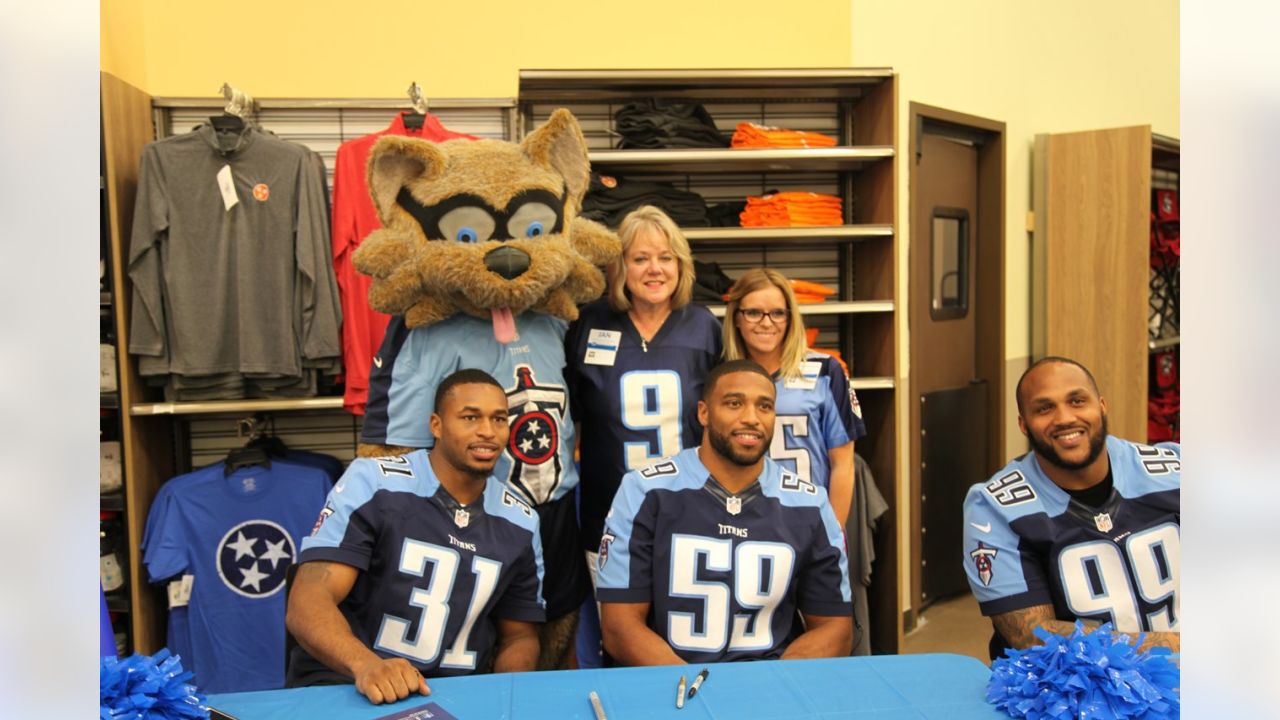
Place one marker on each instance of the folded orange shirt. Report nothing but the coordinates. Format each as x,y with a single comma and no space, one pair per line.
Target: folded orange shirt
751,135
792,209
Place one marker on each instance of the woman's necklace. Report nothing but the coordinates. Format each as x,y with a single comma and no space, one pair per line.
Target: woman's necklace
647,328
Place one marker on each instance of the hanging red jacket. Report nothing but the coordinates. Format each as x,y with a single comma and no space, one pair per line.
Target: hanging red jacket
354,217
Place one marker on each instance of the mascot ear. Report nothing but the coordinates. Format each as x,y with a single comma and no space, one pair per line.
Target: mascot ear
559,145
395,162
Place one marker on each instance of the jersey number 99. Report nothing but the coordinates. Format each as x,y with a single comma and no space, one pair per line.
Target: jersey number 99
1153,557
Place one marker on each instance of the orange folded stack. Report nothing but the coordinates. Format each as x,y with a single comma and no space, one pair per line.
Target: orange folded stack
792,209
810,292
811,336
751,135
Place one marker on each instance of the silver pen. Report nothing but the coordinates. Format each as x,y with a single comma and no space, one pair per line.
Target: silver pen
680,694
595,705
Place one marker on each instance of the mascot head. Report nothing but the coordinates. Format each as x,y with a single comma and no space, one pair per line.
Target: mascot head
484,227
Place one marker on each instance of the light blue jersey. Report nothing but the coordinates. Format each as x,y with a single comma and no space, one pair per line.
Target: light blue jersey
816,413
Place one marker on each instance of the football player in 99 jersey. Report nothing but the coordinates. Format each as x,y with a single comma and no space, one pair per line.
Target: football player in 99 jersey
1084,527
423,564
707,556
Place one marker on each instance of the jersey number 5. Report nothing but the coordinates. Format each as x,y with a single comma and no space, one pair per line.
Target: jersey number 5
757,589
393,636
799,427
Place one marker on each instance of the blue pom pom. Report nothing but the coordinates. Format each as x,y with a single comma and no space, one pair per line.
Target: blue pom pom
1094,676
143,687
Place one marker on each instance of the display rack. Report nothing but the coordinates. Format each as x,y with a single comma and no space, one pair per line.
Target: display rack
858,258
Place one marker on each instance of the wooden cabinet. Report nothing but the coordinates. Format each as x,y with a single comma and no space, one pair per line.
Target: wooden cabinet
1091,258
858,257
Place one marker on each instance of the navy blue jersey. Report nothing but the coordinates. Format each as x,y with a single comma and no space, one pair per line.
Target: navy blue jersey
1027,542
637,401
724,573
433,574
411,364
816,413
236,535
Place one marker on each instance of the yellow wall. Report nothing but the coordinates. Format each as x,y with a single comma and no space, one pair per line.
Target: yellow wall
332,48
121,44
1039,68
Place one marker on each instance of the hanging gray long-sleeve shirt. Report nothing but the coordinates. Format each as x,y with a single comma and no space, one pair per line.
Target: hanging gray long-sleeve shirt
246,289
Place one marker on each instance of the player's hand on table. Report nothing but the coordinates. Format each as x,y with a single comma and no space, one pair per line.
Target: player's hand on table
389,680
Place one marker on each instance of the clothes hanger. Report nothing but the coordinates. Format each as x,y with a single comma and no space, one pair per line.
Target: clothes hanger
415,119
273,445
239,105
249,455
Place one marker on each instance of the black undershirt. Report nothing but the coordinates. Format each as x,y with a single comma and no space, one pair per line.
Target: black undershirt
1095,496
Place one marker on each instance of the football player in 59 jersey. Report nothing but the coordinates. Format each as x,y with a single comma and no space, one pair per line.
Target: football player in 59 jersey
423,564
707,556
1086,526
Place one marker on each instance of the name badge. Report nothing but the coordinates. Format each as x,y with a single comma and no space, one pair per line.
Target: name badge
602,347
808,379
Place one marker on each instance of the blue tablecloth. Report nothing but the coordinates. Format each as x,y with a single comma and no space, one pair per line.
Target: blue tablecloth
936,687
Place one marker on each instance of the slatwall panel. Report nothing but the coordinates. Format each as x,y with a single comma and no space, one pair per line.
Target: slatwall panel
322,129
818,263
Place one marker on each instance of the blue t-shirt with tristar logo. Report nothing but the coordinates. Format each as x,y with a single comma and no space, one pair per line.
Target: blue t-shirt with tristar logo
1027,542
725,573
236,535
433,574
637,399
815,413
411,364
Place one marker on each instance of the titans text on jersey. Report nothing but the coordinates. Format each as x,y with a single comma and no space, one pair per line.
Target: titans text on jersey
433,573
725,573
1028,543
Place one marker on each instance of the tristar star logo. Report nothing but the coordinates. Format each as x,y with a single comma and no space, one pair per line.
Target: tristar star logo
982,562
254,556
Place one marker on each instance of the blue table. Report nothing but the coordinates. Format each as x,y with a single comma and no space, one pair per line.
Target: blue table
937,687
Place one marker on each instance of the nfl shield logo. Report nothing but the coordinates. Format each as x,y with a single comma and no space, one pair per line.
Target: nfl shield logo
1103,521
461,518
733,505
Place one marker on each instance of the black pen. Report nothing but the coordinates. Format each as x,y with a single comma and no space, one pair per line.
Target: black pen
697,682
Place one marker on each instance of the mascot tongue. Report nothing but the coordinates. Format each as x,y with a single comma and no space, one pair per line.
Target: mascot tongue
504,325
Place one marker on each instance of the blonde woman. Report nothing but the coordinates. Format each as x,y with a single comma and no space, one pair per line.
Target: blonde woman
636,362
817,412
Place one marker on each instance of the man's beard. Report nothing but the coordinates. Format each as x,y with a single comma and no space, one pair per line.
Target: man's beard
1097,443
724,446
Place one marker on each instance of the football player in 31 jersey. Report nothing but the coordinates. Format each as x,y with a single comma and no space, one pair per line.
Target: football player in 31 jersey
1084,527
423,564
707,556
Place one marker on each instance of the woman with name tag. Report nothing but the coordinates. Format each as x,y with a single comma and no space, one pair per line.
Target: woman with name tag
636,362
817,413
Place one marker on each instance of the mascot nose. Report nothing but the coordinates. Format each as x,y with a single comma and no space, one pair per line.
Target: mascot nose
507,261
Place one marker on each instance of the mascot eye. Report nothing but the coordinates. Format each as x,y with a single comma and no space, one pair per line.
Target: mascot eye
467,224
532,220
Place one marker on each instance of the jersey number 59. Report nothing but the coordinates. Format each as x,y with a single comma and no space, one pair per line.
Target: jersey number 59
712,629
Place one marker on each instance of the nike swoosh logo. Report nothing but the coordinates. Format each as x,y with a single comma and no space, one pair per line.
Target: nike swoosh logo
984,528
339,487
377,361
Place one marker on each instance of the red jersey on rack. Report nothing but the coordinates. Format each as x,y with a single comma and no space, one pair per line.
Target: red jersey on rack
354,217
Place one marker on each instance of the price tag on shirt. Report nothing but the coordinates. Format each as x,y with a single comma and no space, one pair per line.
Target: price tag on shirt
180,591
602,347
227,187
808,380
